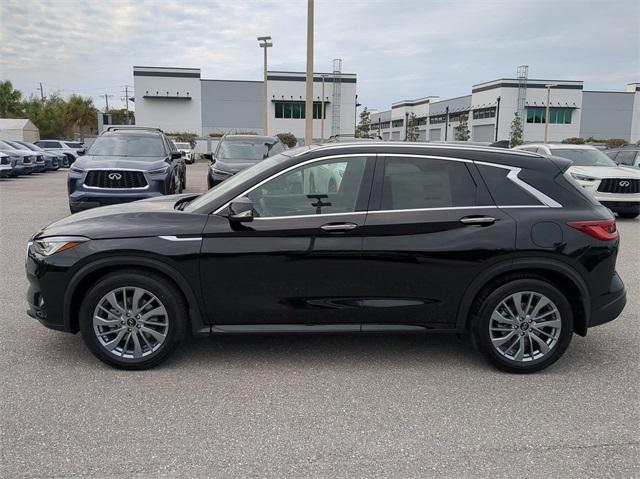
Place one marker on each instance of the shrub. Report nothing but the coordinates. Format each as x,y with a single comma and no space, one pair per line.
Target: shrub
216,134
573,141
615,142
288,139
183,136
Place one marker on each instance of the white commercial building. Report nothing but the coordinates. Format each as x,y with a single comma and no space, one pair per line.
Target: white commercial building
491,107
179,100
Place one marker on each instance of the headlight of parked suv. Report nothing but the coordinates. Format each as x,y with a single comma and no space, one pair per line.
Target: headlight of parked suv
583,177
159,171
76,169
220,172
57,244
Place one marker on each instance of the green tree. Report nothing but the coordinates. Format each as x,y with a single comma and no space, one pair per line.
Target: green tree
48,115
121,117
79,113
288,139
10,105
362,130
516,131
461,132
412,133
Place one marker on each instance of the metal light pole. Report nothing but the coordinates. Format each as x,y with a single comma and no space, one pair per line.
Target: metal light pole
546,121
322,110
308,106
265,43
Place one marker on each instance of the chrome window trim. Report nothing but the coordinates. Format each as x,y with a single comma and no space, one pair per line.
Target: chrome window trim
258,218
286,170
514,171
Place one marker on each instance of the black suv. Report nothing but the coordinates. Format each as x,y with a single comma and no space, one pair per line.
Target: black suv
414,237
235,153
125,164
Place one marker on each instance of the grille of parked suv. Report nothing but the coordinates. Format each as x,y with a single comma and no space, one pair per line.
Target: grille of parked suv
4,160
39,159
619,185
122,179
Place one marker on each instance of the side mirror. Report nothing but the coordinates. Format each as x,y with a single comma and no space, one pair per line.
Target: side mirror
81,152
208,156
241,210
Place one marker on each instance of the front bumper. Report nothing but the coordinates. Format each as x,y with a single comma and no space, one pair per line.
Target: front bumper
612,303
214,179
82,200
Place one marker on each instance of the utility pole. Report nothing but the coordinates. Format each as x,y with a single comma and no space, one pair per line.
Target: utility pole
265,43
308,115
546,121
126,102
106,100
41,92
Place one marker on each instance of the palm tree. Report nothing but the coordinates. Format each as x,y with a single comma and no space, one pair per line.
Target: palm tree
80,112
9,100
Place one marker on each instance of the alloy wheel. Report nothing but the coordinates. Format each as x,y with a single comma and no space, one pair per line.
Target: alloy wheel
130,322
525,326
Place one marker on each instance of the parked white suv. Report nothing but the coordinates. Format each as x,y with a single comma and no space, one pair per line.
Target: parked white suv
187,152
616,187
68,148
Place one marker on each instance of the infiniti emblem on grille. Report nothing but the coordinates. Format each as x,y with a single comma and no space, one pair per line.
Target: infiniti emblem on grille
624,183
115,176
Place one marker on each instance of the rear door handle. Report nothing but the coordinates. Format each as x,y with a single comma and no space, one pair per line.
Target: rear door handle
338,227
478,220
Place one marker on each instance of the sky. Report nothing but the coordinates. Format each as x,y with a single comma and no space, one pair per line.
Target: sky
400,49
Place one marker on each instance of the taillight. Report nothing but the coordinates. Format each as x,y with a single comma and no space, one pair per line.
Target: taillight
602,229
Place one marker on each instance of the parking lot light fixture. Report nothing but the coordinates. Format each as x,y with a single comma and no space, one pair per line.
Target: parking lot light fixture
265,42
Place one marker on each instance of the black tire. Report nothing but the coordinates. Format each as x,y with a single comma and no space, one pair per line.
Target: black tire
489,301
155,284
628,215
184,180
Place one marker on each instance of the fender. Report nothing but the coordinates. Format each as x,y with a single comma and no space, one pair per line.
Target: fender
193,303
520,264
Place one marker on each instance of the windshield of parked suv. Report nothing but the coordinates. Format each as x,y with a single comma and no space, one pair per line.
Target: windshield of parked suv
583,157
246,149
127,145
31,146
7,145
232,182
183,146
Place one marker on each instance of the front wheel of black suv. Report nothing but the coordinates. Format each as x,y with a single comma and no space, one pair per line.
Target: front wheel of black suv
132,319
630,212
523,326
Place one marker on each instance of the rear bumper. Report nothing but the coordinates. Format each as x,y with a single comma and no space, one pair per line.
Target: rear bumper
613,303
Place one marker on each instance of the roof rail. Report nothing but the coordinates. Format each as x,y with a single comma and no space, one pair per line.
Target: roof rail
133,127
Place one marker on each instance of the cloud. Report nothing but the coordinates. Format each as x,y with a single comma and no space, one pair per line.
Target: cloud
399,49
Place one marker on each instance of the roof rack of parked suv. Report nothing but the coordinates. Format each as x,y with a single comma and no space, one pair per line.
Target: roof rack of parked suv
132,127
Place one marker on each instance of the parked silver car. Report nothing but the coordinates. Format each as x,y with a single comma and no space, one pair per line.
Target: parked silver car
68,148
7,164
24,159
53,160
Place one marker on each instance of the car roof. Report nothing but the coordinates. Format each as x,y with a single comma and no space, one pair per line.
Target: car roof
249,137
149,133
566,146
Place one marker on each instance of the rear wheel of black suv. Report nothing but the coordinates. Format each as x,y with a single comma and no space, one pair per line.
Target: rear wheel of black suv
523,326
132,319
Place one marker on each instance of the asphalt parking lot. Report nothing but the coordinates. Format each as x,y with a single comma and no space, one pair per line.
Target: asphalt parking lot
306,406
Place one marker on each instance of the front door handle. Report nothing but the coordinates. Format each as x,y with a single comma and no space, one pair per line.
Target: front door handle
478,220
338,227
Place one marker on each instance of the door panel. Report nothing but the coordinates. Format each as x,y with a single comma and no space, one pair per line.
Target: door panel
283,267
427,256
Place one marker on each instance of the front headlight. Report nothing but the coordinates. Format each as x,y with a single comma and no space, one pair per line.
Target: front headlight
57,244
220,172
159,171
76,169
583,177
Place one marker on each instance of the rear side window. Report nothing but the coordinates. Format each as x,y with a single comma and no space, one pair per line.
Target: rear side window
73,144
504,191
416,183
628,158
48,144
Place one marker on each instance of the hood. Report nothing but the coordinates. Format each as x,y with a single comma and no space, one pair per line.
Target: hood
606,171
233,166
116,162
20,152
152,217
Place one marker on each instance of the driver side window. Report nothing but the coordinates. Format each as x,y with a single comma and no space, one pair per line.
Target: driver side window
323,187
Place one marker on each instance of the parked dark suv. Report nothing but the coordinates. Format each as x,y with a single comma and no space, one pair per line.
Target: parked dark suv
235,153
125,164
416,237
627,155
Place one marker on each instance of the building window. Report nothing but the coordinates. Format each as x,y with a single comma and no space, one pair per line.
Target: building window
458,115
397,123
296,109
422,120
480,113
437,119
556,115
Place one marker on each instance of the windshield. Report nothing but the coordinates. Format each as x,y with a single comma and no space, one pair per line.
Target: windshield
31,146
15,145
584,157
245,149
183,146
229,184
127,145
